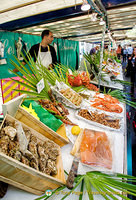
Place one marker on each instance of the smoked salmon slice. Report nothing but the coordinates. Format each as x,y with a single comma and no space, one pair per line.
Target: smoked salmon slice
95,149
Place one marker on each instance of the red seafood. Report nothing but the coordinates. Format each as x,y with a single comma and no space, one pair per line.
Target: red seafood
92,87
85,78
74,80
114,108
81,79
108,103
111,99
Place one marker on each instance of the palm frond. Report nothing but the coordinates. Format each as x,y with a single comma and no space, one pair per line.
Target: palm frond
122,97
109,186
93,60
23,78
122,82
33,94
81,190
31,80
25,85
25,74
88,187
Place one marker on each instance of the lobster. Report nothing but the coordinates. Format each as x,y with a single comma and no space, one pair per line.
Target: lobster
74,80
81,79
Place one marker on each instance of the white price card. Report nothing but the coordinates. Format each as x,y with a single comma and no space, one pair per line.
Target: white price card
40,85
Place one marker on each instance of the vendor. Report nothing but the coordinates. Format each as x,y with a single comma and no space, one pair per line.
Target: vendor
43,52
94,50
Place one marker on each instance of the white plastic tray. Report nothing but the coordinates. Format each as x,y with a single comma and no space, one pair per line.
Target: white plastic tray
98,124
60,86
87,105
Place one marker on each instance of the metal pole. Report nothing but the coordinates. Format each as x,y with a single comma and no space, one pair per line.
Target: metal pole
101,54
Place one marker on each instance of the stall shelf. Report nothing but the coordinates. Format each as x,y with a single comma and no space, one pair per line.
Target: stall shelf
119,161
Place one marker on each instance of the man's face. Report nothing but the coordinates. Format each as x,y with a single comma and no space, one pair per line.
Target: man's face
49,38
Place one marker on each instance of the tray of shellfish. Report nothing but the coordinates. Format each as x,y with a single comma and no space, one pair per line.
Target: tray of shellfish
100,119
106,104
66,95
28,158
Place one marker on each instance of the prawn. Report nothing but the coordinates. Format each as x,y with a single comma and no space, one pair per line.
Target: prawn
77,102
114,108
110,99
107,107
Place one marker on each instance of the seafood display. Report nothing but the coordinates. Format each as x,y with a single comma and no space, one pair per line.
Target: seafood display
63,93
99,118
75,98
95,149
111,72
107,103
57,109
23,146
112,68
81,79
74,80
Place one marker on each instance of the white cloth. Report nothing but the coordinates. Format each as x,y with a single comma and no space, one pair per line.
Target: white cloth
130,50
44,58
125,51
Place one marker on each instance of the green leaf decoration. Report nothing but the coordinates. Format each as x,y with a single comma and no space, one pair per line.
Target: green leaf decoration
121,96
21,69
25,85
81,190
108,185
88,187
31,77
122,82
33,94
79,181
23,78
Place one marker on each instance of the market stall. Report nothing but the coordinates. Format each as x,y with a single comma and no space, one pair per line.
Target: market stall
117,140
65,117
88,113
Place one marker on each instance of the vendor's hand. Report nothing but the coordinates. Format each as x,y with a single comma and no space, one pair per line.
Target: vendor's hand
15,70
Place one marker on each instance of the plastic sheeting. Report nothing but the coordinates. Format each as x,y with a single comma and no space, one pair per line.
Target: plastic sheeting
45,117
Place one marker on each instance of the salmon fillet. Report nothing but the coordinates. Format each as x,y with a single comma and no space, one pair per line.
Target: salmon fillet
95,149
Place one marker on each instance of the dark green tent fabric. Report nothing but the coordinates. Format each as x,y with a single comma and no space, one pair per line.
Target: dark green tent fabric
67,52
45,117
8,39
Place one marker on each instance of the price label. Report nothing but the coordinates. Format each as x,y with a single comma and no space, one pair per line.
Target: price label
40,85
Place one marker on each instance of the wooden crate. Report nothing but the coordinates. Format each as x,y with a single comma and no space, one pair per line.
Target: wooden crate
59,137
24,177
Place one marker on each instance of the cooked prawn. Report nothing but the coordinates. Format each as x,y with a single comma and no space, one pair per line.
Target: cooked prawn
114,108
110,99
109,105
